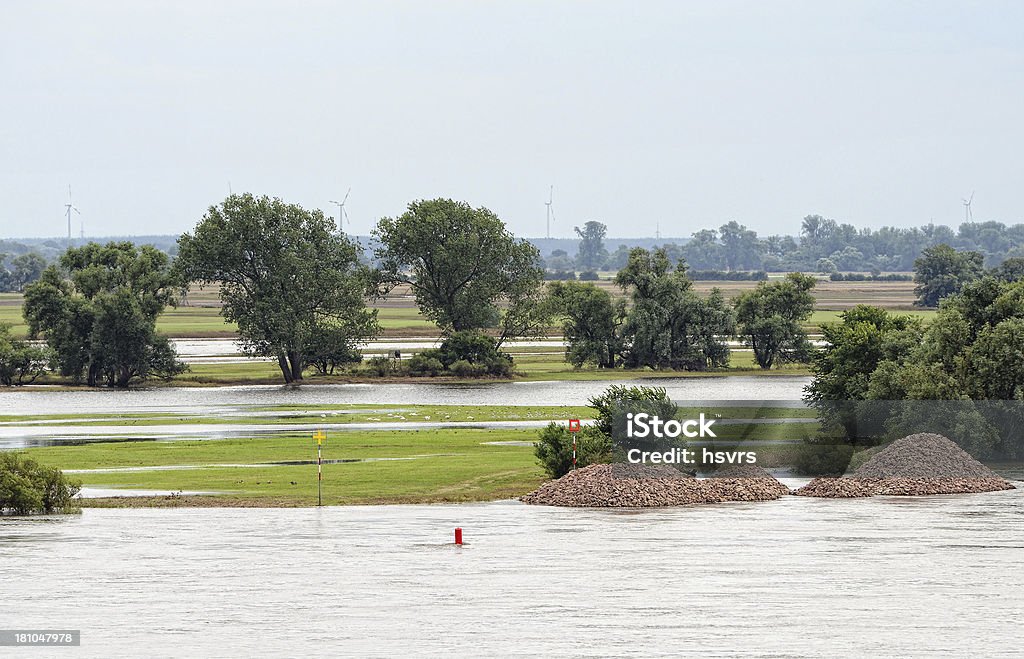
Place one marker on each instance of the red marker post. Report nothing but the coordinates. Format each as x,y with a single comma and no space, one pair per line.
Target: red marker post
574,427
319,436
458,536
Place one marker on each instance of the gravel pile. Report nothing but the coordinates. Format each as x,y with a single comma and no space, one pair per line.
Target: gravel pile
646,486
915,465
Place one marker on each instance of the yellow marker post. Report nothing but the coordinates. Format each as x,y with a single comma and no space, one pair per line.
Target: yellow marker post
319,436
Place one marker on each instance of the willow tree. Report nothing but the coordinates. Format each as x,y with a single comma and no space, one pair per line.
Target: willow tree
287,278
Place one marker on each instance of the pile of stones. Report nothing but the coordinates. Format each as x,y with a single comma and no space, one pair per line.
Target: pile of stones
921,464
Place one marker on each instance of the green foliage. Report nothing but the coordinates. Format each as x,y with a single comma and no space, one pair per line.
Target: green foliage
20,362
592,323
424,365
470,353
100,319
941,271
770,317
616,401
26,487
466,270
856,346
334,345
289,279
1010,270
554,449
962,377
592,255
670,326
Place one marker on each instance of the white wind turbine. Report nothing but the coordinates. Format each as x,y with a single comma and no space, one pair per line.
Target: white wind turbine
68,207
551,210
968,215
342,213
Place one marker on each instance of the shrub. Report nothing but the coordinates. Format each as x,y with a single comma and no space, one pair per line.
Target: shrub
589,275
477,350
26,487
380,365
423,364
465,369
554,449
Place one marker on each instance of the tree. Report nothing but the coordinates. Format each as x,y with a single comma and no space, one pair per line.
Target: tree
554,449
592,323
27,268
670,326
288,278
20,362
592,255
854,347
1012,269
770,317
941,270
98,313
26,487
464,267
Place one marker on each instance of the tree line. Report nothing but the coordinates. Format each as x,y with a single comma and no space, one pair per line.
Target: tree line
822,245
299,291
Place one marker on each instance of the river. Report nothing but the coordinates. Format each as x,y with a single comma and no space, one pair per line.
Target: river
930,576
213,400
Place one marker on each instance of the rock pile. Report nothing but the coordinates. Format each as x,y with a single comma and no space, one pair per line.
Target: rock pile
645,486
915,465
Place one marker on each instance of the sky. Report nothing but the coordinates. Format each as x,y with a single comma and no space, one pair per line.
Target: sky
646,116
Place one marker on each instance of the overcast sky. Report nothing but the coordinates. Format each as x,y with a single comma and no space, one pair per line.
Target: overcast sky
687,114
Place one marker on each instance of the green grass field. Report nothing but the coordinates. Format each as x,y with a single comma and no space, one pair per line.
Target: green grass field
411,466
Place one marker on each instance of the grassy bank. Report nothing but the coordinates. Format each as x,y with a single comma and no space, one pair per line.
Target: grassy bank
385,466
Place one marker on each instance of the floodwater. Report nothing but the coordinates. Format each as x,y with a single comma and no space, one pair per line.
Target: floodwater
887,576
213,400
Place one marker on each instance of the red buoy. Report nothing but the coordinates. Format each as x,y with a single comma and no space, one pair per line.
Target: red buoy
458,536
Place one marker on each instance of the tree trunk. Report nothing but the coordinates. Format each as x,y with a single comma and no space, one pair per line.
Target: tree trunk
286,370
296,365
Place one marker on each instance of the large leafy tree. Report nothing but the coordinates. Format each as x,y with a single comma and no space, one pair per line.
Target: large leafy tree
98,313
288,278
854,348
941,271
592,255
592,323
669,325
464,267
769,318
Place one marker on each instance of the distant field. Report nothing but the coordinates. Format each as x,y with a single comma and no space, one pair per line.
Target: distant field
199,315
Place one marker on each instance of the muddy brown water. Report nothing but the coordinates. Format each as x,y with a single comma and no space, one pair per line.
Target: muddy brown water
931,576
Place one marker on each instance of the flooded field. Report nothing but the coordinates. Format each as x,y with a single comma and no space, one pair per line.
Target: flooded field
887,576
209,400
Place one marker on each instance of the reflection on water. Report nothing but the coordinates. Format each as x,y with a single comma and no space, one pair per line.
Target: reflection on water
798,576
211,400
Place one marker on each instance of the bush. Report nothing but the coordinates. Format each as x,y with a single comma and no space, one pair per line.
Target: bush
589,275
381,365
26,487
479,351
424,364
554,449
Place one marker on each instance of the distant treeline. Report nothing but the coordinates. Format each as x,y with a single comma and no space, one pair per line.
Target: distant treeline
823,245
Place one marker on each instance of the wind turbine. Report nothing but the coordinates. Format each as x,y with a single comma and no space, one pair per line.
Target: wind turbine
342,213
68,207
968,216
551,210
